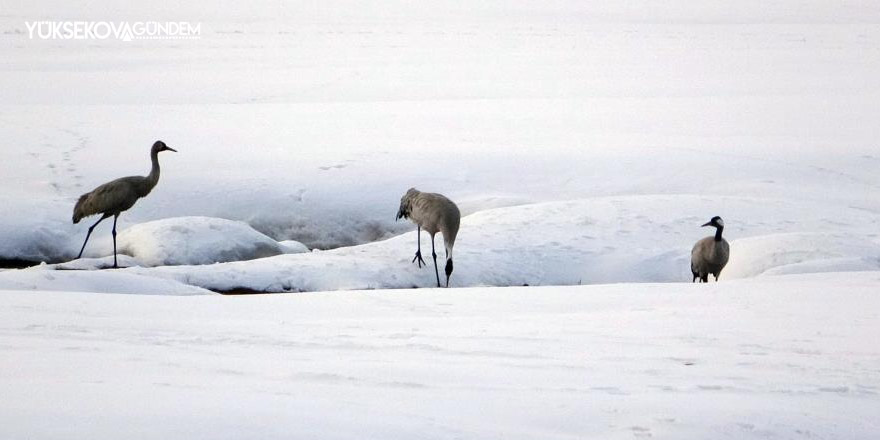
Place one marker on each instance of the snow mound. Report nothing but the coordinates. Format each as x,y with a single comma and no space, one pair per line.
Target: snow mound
293,247
796,253
47,236
589,241
122,261
104,281
198,240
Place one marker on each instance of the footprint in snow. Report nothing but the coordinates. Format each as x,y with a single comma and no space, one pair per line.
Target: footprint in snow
641,431
331,167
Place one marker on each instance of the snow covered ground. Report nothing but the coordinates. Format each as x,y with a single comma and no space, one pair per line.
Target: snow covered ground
309,123
585,143
788,357
601,240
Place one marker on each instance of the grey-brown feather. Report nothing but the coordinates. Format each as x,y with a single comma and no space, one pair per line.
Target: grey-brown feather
709,257
432,212
118,195
112,197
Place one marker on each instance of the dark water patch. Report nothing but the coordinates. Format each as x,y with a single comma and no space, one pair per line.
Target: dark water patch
14,263
244,291
87,269
250,291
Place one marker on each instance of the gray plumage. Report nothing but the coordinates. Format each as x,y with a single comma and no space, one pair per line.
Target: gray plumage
116,196
710,254
434,213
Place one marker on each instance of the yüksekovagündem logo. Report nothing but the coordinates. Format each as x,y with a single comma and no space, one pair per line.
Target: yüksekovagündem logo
106,30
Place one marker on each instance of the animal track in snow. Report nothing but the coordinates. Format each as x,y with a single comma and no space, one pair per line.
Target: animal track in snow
337,166
641,431
58,159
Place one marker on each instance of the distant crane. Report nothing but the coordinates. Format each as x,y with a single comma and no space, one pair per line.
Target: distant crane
433,213
710,254
116,196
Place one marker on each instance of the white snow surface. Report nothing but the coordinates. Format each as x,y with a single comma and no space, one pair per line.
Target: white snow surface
778,357
600,240
585,143
198,240
84,280
309,122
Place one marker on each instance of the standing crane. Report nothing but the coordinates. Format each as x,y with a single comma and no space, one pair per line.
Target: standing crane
433,213
116,196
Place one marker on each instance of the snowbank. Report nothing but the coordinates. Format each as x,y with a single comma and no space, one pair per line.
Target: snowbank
170,241
198,240
603,240
46,236
293,247
104,281
590,241
791,253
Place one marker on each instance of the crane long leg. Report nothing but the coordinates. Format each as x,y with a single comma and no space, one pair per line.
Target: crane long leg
114,241
91,228
434,254
418,256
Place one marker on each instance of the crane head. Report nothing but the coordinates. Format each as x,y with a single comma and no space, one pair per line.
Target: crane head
406,204
402,212
160,146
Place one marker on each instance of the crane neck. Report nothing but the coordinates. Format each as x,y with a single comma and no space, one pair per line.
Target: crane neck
153,177
718,232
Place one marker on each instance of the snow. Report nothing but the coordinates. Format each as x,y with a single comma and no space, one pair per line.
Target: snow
584,142
802,253
748,359
293,247
198,240
80,280
309,123
591,241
